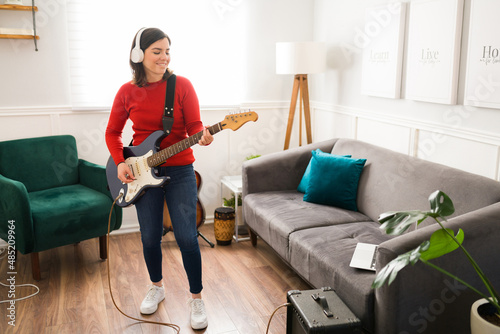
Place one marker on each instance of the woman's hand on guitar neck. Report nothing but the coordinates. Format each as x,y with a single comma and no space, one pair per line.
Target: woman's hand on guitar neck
124,173
206,139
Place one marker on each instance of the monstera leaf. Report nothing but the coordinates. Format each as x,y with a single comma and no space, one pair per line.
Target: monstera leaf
440,243
441,204
390,271
397,222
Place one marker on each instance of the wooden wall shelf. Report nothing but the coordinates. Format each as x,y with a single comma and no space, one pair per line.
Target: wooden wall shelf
18,7
7,36
32,9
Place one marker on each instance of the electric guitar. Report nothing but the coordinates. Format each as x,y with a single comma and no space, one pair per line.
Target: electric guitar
143,158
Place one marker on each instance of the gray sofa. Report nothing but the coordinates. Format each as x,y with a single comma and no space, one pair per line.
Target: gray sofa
317,241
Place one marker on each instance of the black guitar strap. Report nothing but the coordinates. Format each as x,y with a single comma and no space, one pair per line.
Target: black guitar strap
168,116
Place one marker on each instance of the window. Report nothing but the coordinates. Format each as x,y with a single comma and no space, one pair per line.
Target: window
207,46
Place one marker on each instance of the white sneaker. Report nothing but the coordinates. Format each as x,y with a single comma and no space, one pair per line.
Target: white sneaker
198,314
154,296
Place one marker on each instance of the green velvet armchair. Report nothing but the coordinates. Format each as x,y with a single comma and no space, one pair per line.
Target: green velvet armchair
50,198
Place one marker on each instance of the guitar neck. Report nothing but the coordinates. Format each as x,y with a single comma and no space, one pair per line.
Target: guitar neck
162,156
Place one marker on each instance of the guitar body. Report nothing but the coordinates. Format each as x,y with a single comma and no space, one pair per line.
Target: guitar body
143,159
135,158
200,210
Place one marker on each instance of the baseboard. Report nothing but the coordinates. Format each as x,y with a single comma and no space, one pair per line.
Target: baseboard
133,227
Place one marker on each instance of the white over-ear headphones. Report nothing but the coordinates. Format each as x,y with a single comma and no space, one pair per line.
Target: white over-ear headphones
137,55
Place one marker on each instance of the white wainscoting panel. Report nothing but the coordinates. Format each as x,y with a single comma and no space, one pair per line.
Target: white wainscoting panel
472,156
24,126
467,150
224,156
88,129
391,136
474,152
328,123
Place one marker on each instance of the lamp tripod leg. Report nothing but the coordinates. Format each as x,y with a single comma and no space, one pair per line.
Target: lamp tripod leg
300,85
291,114
304,90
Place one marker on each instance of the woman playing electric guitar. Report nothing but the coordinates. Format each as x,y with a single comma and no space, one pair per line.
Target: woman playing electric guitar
142,101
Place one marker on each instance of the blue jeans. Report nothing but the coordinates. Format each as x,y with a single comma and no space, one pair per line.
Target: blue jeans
181,195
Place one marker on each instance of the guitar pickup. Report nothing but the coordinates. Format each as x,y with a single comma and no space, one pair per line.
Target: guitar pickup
132,170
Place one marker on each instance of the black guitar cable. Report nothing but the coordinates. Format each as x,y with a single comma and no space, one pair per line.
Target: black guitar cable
173,326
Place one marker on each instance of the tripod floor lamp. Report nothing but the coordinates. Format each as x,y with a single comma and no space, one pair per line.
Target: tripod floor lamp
300,59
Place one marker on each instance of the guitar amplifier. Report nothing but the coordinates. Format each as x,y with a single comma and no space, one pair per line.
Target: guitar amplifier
319,311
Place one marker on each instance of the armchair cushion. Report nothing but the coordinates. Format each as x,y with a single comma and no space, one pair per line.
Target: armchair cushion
67,215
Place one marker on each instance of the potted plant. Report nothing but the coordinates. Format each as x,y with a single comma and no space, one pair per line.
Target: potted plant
442,241
230,202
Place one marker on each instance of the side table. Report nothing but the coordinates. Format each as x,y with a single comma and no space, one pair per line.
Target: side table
235,185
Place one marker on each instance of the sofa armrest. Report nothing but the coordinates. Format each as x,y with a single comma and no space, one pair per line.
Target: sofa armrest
15,210
419,288
281,170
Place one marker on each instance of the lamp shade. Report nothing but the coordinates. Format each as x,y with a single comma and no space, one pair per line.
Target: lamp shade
300,57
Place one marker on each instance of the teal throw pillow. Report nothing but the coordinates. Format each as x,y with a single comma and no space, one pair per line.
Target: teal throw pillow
305,178
333,180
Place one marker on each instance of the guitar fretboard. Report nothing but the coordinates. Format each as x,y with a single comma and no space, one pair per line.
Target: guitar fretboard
160,157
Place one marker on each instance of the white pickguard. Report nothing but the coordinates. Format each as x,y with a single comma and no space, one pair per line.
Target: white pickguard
142,173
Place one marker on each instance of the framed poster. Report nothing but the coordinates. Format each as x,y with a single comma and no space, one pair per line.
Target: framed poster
482,80
383,55
433,54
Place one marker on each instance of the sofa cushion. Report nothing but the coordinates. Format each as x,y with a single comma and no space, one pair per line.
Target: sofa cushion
275,215
334,180
322,256
307,174
68,214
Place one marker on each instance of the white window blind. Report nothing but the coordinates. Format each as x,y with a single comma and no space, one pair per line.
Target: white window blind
207,46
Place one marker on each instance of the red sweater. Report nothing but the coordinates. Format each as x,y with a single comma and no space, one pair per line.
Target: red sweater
145,107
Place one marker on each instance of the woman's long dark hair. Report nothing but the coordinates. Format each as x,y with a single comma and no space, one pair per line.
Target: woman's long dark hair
148,37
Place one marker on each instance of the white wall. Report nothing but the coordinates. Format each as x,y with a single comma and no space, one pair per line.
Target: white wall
456,135
35,99
270,22
35,96
30,78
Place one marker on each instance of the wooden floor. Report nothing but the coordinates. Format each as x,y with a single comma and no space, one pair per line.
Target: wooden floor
243,285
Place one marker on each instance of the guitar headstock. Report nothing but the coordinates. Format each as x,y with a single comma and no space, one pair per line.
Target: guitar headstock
235,121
